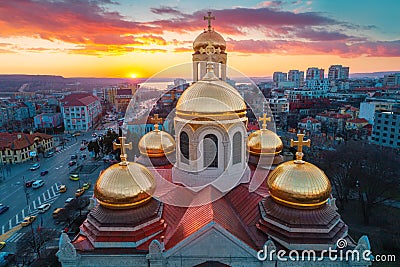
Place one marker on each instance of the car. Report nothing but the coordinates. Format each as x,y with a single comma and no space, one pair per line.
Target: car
57,212
86,186
62,188
38,184
29,183
2,245
83,156
28,220
79,192
43,208
74,177
82,148
94,134
68,200
3,208
76,134
71,163
43,173
74,157
35,167
49,154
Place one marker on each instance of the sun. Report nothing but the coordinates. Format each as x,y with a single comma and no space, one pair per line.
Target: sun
133,75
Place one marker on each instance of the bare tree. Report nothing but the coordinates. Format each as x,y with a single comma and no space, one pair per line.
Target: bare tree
33,243
367,170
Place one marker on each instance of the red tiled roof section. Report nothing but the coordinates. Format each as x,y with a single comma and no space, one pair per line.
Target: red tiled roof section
309,119
74,100
334,115
18,141
358,120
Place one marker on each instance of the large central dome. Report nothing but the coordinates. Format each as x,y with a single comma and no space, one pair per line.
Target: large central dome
209,97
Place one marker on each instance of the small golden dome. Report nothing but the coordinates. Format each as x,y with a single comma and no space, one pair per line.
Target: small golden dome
210,97
264,142
124,185
156,144
299,185
215,39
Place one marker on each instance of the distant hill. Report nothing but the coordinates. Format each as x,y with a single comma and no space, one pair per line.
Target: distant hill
378,74
11,83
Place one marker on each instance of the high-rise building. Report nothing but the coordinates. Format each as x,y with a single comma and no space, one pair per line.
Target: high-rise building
391,79
386,129
338,72
314,74
278,77
297,77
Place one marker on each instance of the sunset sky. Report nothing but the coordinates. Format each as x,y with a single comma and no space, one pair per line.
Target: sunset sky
121,38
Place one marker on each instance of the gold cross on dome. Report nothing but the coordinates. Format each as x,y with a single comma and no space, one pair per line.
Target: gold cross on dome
264,120
300,143
209,18
123,148
156,120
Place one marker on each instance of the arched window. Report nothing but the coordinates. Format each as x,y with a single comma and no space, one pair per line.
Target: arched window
237,148
184,147
210,151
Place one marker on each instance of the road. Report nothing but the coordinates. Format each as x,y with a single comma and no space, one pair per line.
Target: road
12,192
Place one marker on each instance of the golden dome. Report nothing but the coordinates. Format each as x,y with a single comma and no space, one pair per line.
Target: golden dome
124,185
210,97
156,144
264,142
300,185
211,36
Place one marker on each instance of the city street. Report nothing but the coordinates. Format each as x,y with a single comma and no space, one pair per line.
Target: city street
12,190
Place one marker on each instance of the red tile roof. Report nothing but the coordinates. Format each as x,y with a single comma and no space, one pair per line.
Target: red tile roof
334,115
74,100
11,140
358,120
309,119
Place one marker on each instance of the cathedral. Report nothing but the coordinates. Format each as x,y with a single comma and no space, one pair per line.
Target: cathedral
212,194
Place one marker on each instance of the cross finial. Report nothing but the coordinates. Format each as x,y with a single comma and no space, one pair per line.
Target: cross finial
300,143
264,120
156,120
209,18
123,147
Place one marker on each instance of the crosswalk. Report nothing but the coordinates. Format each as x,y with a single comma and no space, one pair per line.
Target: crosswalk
48,196
63,149
15,237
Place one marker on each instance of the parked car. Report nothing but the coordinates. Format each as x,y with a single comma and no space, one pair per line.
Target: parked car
79,192
74,157
68,200
43,208
3,208
72,163
86,186
29,183
35,167
82,148
28,220
83,156
57,212
38,184
74,177
43,173
62,188
76,134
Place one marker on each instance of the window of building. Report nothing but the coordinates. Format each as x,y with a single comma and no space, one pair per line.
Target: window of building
384,134
184,147
392,136
391,142
386,122
385,128
237,148
378,127
210,151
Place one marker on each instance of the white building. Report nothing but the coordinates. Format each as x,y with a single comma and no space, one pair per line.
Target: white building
80,111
